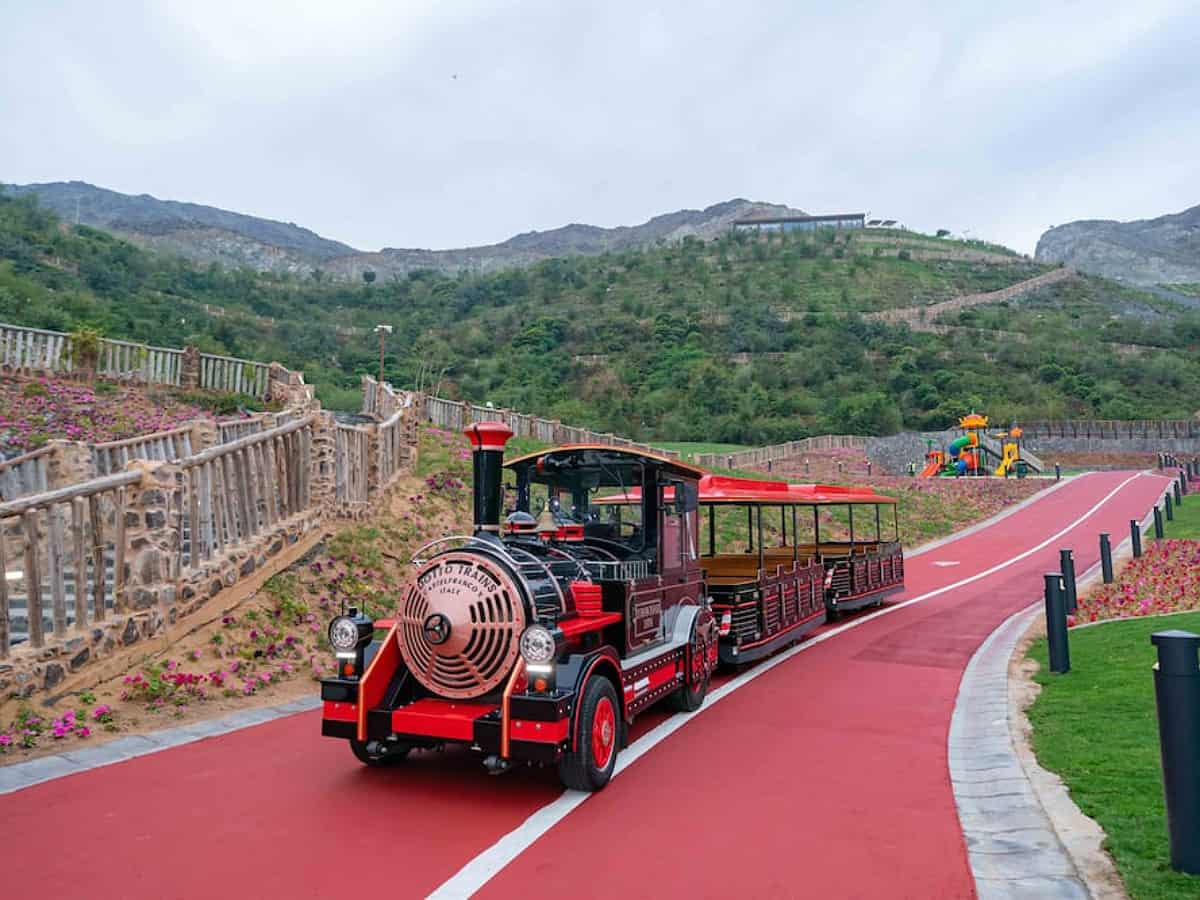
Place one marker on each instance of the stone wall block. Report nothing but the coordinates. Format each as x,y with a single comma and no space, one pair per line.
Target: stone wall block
189,373
205,434
152,534
70,462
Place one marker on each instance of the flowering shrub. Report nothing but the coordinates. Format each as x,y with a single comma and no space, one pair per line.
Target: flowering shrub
34,412
1166,578
442,483
28,729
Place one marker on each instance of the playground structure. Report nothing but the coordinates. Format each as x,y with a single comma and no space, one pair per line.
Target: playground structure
974,452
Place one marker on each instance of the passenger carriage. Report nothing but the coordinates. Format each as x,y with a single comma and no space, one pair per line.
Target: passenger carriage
782,576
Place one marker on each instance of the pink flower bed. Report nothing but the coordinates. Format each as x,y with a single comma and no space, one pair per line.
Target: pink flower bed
1165,579
33,412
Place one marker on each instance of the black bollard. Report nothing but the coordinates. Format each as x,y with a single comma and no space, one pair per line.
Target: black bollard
1178,493
1158,523
1160,460
1135,537
1170,507
1106,568
868,467
1183,488
1177,695
1056,625
1057,472
1067,564
768,467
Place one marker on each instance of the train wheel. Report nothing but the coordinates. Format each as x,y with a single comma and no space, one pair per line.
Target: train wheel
379,753
700,660
590,764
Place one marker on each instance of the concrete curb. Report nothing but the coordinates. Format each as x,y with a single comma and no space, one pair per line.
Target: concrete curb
1012,846
19,776
1025,836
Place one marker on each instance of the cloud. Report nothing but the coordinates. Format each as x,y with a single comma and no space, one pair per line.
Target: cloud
450,123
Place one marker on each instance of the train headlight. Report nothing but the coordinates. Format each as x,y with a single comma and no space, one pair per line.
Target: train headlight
347,633
538,646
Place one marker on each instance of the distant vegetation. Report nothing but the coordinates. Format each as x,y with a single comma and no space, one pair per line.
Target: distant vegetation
642,343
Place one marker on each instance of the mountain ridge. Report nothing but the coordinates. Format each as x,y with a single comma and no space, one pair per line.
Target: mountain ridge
1161,251
210,234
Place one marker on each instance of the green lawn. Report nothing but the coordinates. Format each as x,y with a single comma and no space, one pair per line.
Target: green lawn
1187,520
690,448
1097,728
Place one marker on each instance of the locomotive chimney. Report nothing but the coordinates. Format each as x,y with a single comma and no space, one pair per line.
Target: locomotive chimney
488,440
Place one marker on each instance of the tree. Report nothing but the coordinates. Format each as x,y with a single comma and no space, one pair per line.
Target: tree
368,276
943,232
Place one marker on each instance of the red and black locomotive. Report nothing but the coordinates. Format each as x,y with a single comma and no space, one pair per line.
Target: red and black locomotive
539,638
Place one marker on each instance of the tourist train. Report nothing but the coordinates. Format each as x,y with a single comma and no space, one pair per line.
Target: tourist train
541,636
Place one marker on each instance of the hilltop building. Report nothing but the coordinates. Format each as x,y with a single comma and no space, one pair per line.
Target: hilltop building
800,223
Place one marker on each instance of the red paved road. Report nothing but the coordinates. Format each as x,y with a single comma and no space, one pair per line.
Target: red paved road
826,776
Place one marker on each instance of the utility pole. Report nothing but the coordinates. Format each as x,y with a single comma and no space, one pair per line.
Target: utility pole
382,331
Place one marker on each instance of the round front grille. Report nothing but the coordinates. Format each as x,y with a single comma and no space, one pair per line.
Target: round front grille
460,623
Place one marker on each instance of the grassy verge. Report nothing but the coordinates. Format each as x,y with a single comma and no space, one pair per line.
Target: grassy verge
689,449
1097,728
1186,525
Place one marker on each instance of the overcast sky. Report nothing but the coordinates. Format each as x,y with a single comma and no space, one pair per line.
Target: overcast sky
445,123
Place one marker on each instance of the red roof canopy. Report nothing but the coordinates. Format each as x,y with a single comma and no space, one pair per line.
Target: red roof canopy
727,489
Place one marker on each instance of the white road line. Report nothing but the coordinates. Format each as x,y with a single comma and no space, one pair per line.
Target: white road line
480,870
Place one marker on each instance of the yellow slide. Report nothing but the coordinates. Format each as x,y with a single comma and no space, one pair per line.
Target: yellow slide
1011,455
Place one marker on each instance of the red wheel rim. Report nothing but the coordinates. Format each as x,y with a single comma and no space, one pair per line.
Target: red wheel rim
604,733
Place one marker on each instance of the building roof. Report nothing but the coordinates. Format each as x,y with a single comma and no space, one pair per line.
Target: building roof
773,220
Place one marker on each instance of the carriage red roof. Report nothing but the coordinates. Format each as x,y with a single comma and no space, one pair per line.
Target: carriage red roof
727,489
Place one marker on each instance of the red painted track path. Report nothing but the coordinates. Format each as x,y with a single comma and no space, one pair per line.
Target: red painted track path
824,776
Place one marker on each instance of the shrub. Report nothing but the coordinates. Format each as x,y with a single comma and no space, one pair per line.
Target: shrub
85,348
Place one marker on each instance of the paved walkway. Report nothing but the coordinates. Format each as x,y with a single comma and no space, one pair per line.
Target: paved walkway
823,772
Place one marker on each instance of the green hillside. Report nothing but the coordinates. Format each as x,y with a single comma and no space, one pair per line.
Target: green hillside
740,340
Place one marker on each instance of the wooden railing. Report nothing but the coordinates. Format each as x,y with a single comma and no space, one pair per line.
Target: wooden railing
235,491
164,446
455,416
352,463
393,449
236,376
1113,429
25,474
127,361
380,400
760,456
37,350
87,567
234,429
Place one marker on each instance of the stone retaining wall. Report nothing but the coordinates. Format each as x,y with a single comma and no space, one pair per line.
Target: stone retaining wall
157,585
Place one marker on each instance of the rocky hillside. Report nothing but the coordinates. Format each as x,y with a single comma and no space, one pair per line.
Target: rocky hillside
570,240
207,234
1162,251
202,233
